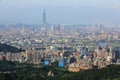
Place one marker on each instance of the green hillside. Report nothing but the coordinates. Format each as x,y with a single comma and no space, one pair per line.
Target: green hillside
7,48
17,71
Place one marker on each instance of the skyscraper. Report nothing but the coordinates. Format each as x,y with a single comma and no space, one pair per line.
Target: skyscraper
44,17
44,23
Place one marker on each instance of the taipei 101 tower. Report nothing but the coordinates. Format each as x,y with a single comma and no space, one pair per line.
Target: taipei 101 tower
44,17
44,23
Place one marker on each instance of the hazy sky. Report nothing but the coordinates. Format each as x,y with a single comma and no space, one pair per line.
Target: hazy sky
60,11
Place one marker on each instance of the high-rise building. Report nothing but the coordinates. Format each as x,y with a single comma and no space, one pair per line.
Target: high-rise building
44,17
44,23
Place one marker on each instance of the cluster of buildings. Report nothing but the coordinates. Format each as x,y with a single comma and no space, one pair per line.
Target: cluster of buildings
99,58
10,56
91,49
75,47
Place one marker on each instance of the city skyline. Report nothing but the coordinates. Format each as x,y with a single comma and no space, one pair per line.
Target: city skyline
59,40
60,11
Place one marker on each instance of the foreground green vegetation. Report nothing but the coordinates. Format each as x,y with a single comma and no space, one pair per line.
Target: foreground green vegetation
17,71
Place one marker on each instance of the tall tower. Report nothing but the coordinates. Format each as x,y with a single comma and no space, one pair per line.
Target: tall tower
44,23
44,17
